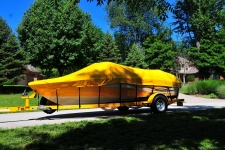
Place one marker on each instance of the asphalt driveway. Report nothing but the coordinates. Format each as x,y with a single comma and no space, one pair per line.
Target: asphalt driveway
197,103
14,120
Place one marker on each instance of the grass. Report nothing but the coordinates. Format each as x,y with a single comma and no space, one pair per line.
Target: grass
13,100
201,130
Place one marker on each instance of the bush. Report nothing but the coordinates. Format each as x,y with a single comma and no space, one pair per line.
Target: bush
212,95
201,87
190,78
191,89
208,86
221,91
183,89
12,89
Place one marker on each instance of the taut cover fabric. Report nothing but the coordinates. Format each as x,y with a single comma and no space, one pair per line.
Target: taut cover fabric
103,73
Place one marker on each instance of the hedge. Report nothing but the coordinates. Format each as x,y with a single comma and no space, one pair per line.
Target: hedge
11,89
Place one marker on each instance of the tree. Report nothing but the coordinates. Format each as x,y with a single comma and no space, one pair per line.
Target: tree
135,57
12,59
209,58
130,26
162,6
91,43
123,46
56,35
160,55
200,22
109,51
196,18
136,27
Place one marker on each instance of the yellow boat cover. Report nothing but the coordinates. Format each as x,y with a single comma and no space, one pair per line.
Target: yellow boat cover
103,73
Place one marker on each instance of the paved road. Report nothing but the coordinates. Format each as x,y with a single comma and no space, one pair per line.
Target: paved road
14,120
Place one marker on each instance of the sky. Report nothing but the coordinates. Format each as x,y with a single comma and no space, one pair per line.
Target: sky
12,11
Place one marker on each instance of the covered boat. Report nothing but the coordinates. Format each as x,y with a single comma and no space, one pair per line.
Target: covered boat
106,83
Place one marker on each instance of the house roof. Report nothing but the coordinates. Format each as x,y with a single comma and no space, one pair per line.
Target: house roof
191,70
32,68
183,60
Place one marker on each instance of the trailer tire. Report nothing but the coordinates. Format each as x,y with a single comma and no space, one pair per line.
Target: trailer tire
123,108
159,104
45,101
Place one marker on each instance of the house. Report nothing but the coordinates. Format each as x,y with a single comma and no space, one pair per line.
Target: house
31,74
185,68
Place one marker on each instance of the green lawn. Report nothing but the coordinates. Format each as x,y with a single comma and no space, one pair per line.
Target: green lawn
198,130
11,100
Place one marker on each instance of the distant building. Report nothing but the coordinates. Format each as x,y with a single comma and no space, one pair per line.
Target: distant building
186,67
31,74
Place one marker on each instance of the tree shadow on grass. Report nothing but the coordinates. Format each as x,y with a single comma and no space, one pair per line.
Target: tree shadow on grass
179,130
4,147
109,114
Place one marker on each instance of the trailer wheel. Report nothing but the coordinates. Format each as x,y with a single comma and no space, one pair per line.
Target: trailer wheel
123,108
45,101
159,104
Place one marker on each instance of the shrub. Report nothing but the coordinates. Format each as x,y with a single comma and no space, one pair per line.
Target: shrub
212,95
208,86
221,91
191,88
201,87
205,96
190,78
183,89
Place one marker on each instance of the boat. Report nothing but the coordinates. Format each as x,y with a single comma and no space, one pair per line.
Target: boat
107,84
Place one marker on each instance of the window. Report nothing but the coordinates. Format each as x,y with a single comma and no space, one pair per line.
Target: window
32,75
186,66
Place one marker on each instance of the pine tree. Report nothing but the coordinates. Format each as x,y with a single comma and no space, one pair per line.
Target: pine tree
135,57
159,55
109,51
12,58
202,23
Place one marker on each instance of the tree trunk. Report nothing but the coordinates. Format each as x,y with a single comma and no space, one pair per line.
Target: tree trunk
184,75
60,70
198,45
